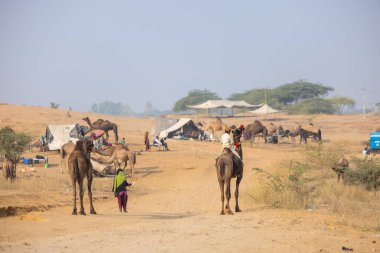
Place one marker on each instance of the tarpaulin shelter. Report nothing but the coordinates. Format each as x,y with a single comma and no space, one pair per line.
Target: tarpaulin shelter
186,127
265,109
58,135
160,124
214,104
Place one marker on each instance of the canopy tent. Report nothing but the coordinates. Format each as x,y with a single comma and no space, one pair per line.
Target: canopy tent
160,124
212,104
221,104
58,135
265,109
186,127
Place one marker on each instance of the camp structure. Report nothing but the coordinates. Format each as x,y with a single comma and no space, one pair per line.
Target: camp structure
58,135
221,104
184,127
161,123
265,109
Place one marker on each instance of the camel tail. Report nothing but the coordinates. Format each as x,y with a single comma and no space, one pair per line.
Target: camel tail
76,169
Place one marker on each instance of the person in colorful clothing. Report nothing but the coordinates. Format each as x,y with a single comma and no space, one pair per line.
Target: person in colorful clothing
120,189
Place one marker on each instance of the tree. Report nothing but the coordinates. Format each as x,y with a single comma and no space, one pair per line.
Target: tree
13,144
194,97
54,105
342,102
285,94
312,106
112,108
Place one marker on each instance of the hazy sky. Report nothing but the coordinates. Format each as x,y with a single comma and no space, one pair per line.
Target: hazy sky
77,53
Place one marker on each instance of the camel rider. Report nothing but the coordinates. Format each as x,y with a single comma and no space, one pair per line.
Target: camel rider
236,133
227,141
120,189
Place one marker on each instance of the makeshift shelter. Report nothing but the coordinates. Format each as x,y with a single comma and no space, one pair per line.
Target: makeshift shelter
265,109
58,135
214,104
184,127
160,124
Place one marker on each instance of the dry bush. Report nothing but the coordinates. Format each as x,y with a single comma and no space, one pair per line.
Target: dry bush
310,183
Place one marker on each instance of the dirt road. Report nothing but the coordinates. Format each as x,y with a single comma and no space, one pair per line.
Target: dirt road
174,207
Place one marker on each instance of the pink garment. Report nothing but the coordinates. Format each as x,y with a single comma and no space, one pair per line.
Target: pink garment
122,199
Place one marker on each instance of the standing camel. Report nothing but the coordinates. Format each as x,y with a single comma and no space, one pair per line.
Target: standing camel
64,154
119,155
215,126
225,170
253,130
340,168
310,131
80,167
104,125
9,169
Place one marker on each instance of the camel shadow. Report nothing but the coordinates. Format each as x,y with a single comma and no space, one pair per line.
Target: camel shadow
162,216
147,171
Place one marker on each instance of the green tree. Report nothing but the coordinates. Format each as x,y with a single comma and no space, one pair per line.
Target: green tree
341,102
13,144
312,106
194,97
285,94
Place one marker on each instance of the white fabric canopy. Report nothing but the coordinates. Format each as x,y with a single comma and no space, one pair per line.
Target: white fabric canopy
212,104
58,135
265,109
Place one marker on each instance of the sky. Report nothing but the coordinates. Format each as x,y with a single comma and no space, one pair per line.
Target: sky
77,53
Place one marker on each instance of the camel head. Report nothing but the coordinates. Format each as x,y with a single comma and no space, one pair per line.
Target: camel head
86,119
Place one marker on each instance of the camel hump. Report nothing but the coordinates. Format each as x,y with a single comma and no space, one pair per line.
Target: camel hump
311,128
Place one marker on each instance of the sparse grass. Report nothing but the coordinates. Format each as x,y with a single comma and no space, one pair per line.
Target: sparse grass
310,183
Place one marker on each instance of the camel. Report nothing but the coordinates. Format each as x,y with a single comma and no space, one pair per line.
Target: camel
226,170
340,168
310,131
9,169
119,155
293,132
273,130
80,167
104,125
64,154
215,126
253,130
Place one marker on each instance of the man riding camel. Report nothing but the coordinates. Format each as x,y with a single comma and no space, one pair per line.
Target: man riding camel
227,142
236,134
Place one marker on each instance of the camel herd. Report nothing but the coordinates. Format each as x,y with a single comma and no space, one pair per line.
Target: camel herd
258,130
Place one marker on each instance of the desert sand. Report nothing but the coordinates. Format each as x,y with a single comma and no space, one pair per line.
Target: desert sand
174,204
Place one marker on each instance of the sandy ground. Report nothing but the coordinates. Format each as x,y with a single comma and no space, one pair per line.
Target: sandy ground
174,203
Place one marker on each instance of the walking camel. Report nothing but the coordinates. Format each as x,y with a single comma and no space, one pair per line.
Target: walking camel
225,170
80,167
104,125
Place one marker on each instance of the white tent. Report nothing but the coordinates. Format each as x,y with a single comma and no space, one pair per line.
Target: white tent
212,104
185,126
58,135
265,109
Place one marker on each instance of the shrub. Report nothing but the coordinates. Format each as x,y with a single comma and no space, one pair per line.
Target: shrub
364,172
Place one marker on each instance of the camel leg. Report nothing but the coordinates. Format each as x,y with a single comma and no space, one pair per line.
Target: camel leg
228,195
238,179
81,193
75,197
107,136
89,183
221,185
